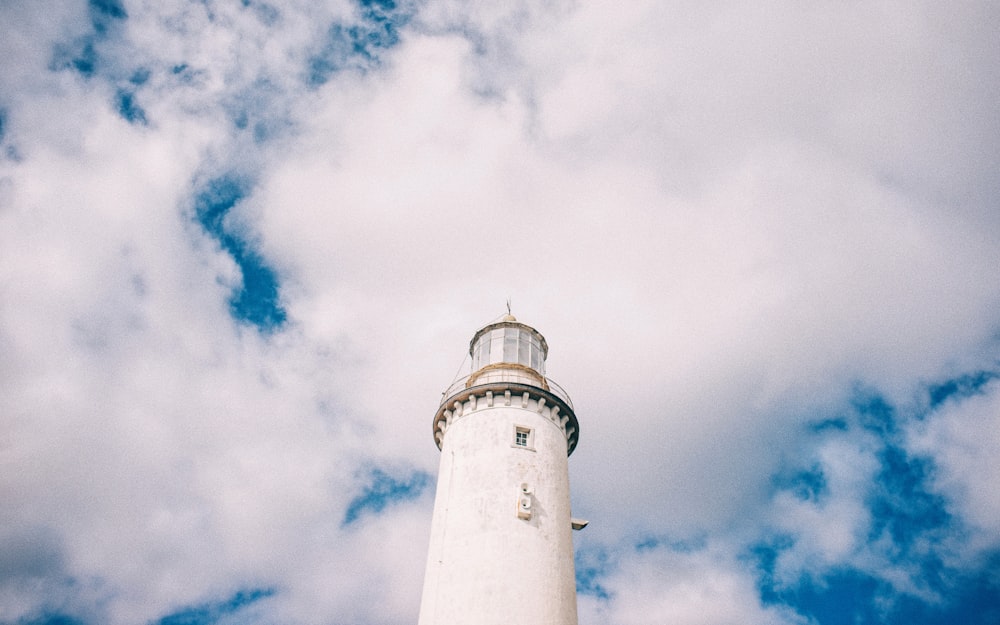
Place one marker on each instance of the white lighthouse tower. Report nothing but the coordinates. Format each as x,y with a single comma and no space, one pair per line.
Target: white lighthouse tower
501,548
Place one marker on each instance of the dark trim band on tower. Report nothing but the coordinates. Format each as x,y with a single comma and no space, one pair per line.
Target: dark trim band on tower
558,411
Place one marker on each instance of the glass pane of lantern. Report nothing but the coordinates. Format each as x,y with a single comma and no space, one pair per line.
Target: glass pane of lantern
496,348
510,345
484,351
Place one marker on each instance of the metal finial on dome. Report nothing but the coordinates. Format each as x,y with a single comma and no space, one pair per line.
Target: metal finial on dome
508,316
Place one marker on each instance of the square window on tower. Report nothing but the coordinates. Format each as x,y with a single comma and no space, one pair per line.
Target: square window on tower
522,437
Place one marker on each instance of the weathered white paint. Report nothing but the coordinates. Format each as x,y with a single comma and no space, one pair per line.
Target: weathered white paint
501,549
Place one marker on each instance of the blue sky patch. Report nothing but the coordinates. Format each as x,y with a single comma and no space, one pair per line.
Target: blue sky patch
357,46
842,598
765,556
51,619
129,109
259,110
105,14
850,597
911,529
805,485
213,612
256,301
140,76
829,424
875,414
9,150
591,566
678,546
106,9
81,55
901,499
268,14
382,490
959,388
208,613
902,503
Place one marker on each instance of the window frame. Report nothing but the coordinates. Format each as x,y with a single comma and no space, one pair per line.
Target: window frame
528,435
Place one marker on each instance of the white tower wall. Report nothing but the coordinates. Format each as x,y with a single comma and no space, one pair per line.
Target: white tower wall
501,549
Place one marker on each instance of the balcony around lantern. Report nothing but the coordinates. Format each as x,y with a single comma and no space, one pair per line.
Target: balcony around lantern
507,352
504,375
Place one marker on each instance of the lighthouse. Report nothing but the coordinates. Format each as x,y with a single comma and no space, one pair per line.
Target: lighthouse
501,547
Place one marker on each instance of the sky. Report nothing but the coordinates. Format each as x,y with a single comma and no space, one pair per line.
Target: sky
244,245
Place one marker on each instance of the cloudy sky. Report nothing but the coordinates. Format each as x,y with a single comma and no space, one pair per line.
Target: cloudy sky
244,245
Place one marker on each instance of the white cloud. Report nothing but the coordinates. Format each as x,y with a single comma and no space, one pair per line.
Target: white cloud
831,527
660,585
722,219
961,439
